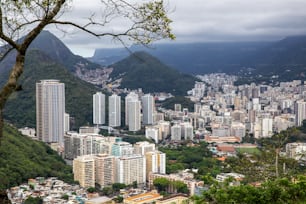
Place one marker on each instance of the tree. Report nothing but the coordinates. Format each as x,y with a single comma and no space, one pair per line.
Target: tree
161,184
117,186
91,190
32,200
147,22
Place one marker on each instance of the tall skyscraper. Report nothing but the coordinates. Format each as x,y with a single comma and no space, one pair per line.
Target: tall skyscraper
114,111
50,111
98,108
300,112
148,109
134,121
131,96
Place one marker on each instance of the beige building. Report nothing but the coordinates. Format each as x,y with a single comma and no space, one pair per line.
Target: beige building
155,162
104,169
186,178
175,199
144,198
100,200
84,170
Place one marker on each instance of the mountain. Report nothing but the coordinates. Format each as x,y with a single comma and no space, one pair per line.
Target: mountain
49,44
20,109
22,158
193,58
57,50
142,70
286,58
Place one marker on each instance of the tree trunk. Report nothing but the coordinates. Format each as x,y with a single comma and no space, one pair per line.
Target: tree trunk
276,162
10,87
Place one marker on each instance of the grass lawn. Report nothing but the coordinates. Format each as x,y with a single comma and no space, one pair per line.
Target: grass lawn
248,150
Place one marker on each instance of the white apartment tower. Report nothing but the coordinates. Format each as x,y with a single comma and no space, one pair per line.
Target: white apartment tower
99,108
176,132
143,147
131,168
131,96
148,106
300,112
50,111
134,119
114,110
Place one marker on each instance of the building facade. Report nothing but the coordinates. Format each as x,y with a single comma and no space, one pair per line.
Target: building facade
114,111
50,111
148,107
99,108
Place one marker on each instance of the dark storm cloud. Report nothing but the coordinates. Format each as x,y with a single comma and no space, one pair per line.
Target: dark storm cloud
209,20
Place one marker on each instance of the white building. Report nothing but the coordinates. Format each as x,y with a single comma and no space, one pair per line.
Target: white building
296,150
143,147
131,168
50,111
134,117
131,96
300,112
122,148
114,111
176,132
148,109
99,108
152,133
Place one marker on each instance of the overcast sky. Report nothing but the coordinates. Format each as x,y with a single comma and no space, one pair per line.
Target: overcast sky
206,21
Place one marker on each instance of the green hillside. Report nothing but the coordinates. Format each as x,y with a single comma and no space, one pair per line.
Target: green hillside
141,70
22,158
21,107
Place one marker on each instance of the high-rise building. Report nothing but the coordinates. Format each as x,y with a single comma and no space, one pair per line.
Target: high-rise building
84,170
50,111
114,111
66,122
143,147
134,119
148,107
131,96
131,168
176,132
153,132
122,148
98,108
155,162
105,169
300,112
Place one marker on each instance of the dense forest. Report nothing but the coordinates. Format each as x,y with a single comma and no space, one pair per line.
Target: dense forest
22,158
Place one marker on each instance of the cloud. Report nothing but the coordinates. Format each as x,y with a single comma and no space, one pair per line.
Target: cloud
206,20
